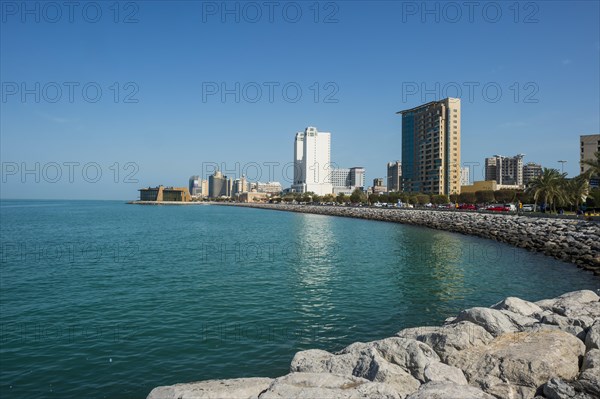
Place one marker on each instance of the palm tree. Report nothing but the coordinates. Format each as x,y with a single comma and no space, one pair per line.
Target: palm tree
548,186
576,190
594,166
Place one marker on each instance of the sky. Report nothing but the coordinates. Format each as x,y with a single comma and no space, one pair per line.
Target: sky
99,99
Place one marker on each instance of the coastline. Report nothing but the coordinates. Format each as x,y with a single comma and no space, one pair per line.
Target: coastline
513,349
570,240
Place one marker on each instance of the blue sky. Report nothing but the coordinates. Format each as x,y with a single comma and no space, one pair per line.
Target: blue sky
161,67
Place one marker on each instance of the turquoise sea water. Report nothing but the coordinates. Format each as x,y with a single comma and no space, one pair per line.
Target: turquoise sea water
104,299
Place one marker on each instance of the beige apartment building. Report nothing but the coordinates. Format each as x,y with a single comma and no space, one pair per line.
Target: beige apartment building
590,145
431,147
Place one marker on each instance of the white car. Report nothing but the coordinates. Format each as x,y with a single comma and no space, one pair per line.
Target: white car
528,208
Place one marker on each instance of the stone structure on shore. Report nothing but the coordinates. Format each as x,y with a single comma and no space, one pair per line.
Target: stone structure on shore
570,240
515,349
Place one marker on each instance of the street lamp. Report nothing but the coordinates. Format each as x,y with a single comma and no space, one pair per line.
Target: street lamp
562,166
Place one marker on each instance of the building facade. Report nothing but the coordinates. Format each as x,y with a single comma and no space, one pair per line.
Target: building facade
589,146
348,179
312,162
431,147
394,176
271,187
531,170
465,178
505,170
219,185
198,187
161,193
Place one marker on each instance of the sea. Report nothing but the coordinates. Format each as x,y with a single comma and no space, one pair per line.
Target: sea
103,299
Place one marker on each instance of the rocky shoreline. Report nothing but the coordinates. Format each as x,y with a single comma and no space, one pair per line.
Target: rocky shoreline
515,349
570,240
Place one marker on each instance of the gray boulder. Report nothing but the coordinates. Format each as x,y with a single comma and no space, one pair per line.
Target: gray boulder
398,362
448,390
440,372
331,386
449,338
496,322
515,365
589,378
558,389
238,388
592,339
518,306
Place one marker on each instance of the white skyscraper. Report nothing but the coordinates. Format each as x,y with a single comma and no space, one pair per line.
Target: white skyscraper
312,162
464,176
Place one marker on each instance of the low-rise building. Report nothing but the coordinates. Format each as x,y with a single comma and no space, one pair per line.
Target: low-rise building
531,170
161,193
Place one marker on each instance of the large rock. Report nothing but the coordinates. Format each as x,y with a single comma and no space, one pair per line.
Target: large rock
518,306
450,338
365,363
583,306
238,388
558,389
496,322
448,390
514,365
330,386
361,359
589,378
440,372
592,339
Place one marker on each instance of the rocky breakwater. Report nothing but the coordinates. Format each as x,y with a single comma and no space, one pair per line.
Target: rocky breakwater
571,240
514,349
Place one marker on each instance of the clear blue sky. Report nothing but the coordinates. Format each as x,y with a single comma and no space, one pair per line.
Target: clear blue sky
370,57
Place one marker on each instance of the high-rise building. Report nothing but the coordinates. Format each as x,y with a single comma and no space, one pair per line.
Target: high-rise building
431,147
394,175
239,186
312,162
219,185
505,170
465,179
357,177
194,184
589,146
531,170
198,187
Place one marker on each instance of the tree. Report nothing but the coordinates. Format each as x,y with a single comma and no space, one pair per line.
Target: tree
341,198
504,196
576,190
439,199
454,197
467,198
316,198
594,166
328,198
485,196
423,199
593,200
548,187
373,198
358,196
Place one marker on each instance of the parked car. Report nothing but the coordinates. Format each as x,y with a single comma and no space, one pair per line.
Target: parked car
497,208
510,207
468,207
528,208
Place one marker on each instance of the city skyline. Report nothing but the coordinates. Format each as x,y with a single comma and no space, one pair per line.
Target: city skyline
181,99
